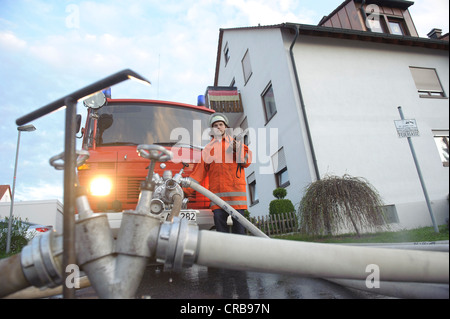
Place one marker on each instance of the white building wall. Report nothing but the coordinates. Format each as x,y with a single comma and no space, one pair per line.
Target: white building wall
270,64
45,212
6,198
352,90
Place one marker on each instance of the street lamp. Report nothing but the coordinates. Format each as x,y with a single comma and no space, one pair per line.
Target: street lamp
24,128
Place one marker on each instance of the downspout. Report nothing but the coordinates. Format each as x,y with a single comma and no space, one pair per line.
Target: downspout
302,102
363,15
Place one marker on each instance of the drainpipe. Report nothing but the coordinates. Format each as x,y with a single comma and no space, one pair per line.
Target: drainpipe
363,14
302,102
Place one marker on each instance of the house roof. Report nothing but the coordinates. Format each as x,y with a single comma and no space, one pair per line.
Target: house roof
4,189
401,4
329,32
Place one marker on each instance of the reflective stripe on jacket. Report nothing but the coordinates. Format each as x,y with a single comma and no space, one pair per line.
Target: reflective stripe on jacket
226,179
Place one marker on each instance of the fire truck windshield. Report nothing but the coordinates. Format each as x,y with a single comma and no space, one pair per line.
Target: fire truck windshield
147,123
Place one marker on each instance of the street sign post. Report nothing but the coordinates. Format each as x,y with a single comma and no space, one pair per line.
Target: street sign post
408,128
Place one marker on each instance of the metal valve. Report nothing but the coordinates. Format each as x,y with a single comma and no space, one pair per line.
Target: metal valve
82,156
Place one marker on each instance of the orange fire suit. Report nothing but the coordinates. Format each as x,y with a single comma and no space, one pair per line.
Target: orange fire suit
224,166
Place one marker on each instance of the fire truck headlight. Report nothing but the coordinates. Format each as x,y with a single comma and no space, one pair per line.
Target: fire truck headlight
100,186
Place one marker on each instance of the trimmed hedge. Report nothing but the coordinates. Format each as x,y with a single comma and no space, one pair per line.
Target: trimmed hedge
280,205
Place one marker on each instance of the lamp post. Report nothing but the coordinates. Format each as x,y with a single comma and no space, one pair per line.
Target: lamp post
24,128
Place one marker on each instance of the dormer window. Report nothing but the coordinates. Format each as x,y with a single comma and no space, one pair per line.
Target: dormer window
375,25
382,23
396,27
390,17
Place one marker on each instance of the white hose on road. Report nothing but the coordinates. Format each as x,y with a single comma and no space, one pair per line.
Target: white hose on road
318,260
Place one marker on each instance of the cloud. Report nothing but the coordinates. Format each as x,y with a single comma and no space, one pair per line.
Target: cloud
9,41
41,191
426,16
267,12
429,17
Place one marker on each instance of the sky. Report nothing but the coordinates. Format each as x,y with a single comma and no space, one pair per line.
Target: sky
50,48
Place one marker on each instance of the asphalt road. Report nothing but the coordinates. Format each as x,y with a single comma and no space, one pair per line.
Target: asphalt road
199,282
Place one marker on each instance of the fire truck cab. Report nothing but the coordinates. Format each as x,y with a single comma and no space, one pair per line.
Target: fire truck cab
114,171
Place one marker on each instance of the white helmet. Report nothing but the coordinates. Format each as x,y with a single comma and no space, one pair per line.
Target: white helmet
218,117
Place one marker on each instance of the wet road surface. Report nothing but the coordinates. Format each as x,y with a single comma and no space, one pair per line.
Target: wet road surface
199,282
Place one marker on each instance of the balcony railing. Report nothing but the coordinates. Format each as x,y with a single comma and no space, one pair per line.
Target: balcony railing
224,99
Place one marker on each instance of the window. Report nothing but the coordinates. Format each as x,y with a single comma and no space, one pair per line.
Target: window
441,140
390,214
246,67
396,27
377,21
226,53
427,82
375,25
282,178
251,181
280,168
270,107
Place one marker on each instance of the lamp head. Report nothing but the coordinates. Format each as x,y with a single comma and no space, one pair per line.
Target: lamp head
26,128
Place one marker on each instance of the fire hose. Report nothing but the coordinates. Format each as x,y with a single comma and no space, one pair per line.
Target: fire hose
224,205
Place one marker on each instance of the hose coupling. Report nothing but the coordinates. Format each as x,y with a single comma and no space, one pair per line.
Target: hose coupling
177,244
185,182
41,260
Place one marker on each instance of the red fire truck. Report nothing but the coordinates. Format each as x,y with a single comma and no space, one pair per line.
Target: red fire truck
114,170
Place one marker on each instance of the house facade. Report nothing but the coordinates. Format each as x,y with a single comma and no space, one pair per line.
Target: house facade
323,100
45,212
5,194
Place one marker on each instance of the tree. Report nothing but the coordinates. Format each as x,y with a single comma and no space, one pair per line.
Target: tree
335,202
280,205
18,234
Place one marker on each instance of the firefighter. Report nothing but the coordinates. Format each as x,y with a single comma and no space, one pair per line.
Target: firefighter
223,160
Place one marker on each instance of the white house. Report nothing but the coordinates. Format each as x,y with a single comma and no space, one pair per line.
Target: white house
5,194
44,212
322,100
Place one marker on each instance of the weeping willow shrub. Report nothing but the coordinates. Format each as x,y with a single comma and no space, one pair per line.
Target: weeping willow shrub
337,203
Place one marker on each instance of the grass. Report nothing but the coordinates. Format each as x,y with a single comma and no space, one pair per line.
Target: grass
411,235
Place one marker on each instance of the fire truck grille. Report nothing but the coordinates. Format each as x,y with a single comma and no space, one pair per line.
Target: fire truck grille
129,187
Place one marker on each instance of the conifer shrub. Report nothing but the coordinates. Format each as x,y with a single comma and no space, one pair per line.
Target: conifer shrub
280,204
